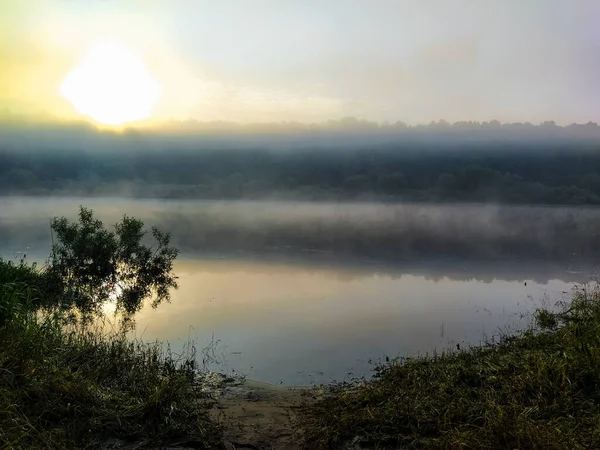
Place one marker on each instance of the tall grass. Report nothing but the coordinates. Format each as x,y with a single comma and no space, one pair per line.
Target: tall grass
536,390
78,388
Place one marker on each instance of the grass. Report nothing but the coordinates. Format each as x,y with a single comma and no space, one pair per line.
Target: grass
536,390
75,387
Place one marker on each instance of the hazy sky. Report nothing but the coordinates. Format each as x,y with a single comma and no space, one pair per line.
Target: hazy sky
272,60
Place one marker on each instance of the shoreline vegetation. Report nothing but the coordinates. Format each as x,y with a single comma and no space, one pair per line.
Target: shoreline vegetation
539,389
65,384
79,388
74,387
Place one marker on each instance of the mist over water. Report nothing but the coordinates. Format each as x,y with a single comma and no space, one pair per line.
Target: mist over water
301,292
365,230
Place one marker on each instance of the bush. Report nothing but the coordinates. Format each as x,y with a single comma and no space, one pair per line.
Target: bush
81,389
76,387
93,265
18,286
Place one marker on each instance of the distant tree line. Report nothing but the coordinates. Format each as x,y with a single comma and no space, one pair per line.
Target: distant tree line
511,171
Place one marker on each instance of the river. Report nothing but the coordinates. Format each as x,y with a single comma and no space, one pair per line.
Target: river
309,293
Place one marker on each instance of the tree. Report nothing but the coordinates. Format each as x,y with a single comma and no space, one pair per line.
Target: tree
94,265
21,179
447,182
392,183
356,182
591,181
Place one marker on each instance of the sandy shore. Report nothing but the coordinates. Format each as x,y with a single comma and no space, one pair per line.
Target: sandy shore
255,415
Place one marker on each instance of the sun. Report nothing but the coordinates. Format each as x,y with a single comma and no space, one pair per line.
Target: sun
111,85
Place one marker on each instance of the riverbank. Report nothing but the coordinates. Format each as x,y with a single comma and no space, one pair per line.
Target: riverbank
255,415
90,387
75,387
80,388
539,389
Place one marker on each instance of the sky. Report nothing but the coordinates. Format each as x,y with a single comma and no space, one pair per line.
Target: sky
277,60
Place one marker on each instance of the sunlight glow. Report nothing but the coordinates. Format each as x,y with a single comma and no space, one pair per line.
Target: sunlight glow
110,307
111,85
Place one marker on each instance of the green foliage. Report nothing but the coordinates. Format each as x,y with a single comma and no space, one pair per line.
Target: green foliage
538,390
18,289
78,387
392,183
94,265
82,389
540,170
73,386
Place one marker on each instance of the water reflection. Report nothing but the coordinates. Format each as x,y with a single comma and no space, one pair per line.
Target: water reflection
300,292
297,324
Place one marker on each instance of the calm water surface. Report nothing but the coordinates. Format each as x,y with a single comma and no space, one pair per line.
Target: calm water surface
300,292
295,323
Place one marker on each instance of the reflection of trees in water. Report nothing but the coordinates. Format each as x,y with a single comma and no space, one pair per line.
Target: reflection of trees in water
352,269
385,235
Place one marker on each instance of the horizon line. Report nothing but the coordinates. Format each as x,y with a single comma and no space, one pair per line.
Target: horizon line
344,123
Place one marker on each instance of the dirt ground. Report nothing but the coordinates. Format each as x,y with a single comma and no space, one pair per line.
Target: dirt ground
258,415
254,415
